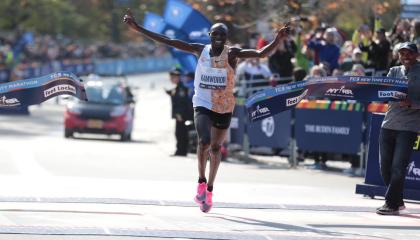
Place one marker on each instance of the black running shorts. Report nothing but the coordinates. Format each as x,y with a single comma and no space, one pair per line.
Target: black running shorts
219,120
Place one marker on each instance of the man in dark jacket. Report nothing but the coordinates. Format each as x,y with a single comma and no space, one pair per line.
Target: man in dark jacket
181,112
378,51
399,131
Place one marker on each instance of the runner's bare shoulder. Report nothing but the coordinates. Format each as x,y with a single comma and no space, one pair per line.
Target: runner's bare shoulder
198,48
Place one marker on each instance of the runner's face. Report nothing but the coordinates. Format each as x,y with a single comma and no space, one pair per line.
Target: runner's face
218,37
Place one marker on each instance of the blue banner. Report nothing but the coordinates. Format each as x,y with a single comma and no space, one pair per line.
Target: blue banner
37,90
274,100
176,13
181,22
154,22
188,20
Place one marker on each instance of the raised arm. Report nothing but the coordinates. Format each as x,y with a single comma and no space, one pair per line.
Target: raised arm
194,48
265,51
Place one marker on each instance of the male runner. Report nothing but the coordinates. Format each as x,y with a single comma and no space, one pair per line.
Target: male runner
213,99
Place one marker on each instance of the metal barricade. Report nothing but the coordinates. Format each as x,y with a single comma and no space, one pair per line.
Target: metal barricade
244,88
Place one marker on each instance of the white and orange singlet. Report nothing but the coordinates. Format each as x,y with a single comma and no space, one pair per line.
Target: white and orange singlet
214,82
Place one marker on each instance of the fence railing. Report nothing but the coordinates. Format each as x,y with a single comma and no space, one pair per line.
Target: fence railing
246,87
86,66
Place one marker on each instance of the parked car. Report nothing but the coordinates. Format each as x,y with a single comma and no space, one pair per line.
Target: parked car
109,110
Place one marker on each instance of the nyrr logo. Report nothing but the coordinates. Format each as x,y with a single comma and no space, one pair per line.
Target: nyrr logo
342,91
170,33
295,100
59,88
199,34
391,94
268,126
412,171
260,112
11,102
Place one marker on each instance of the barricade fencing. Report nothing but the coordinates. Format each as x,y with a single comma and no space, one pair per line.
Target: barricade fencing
86,66
336,127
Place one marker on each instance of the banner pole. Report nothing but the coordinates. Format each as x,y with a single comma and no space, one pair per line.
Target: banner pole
292,146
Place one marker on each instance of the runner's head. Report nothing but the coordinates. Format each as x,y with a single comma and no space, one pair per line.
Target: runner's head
218,34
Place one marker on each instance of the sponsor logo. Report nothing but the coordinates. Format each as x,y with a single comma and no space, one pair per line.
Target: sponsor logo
268,126
342,91
324,129
170,33
295,100
58,89
413,173
391,94
256,97
11,102
260,112
199,34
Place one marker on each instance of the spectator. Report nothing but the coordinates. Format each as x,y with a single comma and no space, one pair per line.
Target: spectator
281,61
399,132
327,50
320,159
362,36
401,32
358,70
415,35
180,111
255,72
356,59
317,71
378,51
261,42
189,83
299,74
337,73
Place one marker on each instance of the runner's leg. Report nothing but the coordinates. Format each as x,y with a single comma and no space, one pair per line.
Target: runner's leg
203,127
217,138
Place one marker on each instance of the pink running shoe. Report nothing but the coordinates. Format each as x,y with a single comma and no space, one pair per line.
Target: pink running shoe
208,203
201,193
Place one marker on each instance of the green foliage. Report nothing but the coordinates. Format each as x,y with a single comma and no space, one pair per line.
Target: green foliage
102,19
79,19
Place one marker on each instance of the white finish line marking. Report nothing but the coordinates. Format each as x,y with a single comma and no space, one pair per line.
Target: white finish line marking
183,234
127,201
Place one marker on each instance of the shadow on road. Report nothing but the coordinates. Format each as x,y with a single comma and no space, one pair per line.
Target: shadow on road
275,225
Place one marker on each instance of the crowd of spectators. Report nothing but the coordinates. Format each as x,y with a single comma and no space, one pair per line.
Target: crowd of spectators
327,51
20,50
369,50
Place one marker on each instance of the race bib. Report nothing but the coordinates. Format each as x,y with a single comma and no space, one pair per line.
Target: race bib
213,78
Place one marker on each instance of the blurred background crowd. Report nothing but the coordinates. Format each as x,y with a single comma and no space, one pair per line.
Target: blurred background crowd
328,51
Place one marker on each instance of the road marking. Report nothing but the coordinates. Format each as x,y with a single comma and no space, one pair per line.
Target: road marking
162,233
132,201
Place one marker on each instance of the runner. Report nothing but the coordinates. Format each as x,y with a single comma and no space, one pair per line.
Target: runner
213,99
